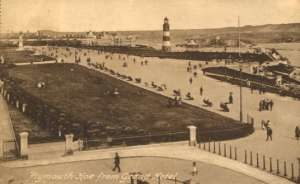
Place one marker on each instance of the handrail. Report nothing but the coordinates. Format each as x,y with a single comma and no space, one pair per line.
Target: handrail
11,124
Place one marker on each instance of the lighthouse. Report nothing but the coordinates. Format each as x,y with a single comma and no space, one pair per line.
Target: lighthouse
166,45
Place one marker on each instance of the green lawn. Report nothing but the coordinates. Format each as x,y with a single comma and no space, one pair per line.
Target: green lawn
83,95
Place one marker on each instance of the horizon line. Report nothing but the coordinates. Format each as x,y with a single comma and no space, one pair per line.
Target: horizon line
136,30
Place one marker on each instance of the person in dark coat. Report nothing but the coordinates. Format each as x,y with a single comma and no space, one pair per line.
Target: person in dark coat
230,99
297,132
201,91
269,133
117,163
271,103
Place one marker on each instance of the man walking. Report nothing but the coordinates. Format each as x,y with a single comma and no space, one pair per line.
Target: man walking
297,132
117,162
269,133
201,91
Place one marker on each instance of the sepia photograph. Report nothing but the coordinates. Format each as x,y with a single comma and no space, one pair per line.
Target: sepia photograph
149,92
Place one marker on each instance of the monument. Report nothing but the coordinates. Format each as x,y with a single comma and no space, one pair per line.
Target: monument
21,46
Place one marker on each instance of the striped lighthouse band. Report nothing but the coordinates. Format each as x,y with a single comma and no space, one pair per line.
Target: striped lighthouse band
166,33
167,43
166,27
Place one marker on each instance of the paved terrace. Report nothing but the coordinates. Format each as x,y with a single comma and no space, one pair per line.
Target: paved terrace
179,150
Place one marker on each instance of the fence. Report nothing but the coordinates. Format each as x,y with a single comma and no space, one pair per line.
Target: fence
10,147
9,150
226,133
272,165
134,140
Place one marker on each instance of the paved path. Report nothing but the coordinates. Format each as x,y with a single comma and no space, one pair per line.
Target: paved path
100,172
173,150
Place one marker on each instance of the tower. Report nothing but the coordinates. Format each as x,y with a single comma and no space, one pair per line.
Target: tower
166,45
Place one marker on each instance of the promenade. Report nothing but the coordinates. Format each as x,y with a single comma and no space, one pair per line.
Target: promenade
179,150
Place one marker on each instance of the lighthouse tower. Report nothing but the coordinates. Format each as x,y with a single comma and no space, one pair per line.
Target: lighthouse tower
166,45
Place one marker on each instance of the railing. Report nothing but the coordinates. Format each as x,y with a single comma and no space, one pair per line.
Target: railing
12,128
134,140
261,161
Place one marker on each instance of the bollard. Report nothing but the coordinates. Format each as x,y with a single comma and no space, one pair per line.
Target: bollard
204,147
271,168
292,167
199,145
235,153
219,148
214,147
209,146
225,150
245,156
284,168
251,161
264,162
23,145
158,180
257,160
277,165
230,154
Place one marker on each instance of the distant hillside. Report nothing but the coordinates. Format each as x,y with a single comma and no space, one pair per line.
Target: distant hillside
270,33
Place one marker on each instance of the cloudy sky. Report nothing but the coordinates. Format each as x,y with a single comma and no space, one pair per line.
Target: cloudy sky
110,15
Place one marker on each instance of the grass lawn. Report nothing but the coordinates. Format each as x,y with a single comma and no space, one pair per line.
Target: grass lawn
87,95
12,56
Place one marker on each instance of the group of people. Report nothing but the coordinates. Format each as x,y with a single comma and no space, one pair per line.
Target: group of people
266,104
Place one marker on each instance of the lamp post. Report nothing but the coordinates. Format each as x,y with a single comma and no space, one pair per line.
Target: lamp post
240,67
241,95
298,178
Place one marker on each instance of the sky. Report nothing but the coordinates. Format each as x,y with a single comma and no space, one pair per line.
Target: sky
115,15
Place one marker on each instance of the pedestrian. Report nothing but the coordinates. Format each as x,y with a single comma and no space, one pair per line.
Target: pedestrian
268,124
260,105
230,98
117,162
191,80
201,91
263,123
271,103
297,132
269,133
195,169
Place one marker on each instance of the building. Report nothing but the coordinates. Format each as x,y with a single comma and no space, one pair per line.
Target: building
166,45
89,39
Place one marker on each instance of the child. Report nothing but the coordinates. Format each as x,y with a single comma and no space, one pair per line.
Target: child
195,170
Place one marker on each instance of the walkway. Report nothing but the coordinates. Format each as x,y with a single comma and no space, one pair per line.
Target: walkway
172,150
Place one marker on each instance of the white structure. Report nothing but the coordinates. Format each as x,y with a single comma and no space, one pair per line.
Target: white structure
193,135
69,144
21,46
24,145
90,39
